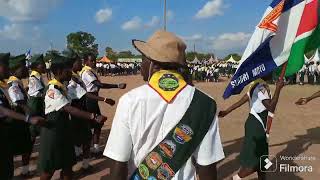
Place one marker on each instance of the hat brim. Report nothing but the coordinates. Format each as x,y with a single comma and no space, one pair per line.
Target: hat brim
148,51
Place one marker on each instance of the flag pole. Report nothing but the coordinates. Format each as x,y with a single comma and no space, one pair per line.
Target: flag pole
271,116
165,15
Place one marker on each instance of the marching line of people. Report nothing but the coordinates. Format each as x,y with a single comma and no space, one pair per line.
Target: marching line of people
164,129
116,69
62,113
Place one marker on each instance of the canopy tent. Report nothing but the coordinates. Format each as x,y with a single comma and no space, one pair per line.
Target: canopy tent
195,61
231,60
105,59
212,61
316,57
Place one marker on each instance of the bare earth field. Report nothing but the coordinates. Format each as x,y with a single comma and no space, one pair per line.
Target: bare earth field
295,131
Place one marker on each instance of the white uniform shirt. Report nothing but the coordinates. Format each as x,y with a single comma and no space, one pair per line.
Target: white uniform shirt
35,86
259,94
88,77
142,121
75,90
54,100
15,92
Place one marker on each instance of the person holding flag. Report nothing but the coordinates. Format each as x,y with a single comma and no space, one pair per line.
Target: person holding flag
255,143
288,29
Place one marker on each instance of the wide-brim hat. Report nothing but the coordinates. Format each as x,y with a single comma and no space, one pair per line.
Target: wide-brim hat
164,47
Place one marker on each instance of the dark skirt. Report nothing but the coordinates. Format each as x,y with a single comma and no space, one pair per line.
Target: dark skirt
6,155
255,142
36,105
56,143
81,128
20,137
93,107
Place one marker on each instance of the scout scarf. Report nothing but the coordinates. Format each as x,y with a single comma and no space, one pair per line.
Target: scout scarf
165,160
38,76
58,85
87,68
168,84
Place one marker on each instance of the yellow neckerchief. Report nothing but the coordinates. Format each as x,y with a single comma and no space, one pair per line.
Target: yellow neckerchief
12,79
170,92
59,84
3,84
36,74
85,68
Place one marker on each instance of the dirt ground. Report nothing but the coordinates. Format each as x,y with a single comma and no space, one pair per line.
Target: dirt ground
295,131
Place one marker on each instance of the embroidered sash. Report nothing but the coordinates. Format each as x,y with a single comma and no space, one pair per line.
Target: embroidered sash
165,160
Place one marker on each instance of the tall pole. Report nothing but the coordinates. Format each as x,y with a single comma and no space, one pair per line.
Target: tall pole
165,15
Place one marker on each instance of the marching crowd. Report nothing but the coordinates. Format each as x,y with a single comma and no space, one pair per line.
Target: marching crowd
114,69
164,129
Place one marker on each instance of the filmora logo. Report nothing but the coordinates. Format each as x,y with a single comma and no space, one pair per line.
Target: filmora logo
268,163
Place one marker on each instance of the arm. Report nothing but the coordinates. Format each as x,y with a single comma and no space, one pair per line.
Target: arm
20,117
109,86
303,101
118,170
236,105
208,172
83,114
271,104
98,98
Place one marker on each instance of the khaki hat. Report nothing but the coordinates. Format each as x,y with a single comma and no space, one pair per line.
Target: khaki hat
163,46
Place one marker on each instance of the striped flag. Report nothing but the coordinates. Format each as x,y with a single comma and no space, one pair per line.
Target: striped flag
28,54
273,42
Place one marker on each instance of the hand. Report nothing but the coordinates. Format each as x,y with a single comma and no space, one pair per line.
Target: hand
302,101
280,83
110,101
122,85
101,119
223,114
37,120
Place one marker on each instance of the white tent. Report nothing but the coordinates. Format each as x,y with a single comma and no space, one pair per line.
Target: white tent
306,59
195,61
212,61
231,60
316,57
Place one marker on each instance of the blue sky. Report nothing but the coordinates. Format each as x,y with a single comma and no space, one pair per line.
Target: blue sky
217,26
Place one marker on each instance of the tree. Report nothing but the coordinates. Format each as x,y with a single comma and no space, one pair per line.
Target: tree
82,43
50,53
235,56
111,54
125,54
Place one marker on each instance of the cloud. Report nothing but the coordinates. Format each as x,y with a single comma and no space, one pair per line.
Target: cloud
103,15
193,38
134,24
26,10
210,9
155,21
230,41
18,31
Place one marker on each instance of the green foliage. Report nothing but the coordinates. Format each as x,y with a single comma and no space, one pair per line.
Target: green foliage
201,56
310,54
114,55
49,54
235,56
82,43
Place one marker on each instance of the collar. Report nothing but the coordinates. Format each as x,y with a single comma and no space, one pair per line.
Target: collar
13,78
168,84
85,68
36,74
55,82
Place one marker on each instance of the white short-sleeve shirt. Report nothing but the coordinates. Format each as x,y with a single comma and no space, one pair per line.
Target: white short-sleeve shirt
75,90
35,86
15,92
55,100
142,121
88,77
259,94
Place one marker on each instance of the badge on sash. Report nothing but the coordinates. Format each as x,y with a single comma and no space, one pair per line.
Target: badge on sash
182,134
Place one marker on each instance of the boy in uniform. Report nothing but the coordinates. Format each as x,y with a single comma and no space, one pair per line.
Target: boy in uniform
56,139
93,85
22,142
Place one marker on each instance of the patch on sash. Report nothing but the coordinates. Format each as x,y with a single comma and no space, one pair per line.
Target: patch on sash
143,171
51,93
182,134
165,172
168,82
152,178
153,160
167,148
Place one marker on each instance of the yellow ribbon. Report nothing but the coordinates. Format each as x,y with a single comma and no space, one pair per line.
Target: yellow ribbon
85,68
168,84
35,73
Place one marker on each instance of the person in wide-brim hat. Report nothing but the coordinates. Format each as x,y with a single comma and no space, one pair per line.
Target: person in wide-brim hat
147,116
